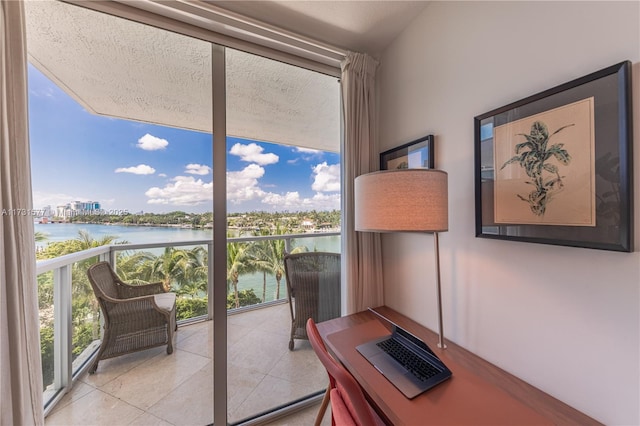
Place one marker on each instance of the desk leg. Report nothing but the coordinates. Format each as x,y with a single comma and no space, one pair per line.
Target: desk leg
323,407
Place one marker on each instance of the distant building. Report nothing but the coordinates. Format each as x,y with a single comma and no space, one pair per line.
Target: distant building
47,211
308,224
77,208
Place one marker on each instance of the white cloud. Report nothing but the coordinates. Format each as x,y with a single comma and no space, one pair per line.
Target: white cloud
307,150
326,201
182,191
326,178
244,189
253,153
243,185
140,169
152,143
197,169
292,201
46,92
162,174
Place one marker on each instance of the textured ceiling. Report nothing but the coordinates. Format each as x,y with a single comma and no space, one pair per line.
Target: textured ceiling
360,26
119,68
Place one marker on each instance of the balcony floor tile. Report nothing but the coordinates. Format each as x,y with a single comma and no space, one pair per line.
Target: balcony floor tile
95,408
153,388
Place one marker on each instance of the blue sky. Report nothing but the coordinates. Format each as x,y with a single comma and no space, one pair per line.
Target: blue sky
133,166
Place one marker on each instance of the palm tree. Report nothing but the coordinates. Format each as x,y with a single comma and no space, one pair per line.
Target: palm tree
40,236
85,241
268,256
135,268
84,305
237,264
256,261
192,268
165,267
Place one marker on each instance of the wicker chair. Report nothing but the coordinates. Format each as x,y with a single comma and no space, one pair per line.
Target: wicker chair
313,287
136,317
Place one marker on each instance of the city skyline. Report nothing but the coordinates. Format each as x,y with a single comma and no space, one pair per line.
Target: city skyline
134,166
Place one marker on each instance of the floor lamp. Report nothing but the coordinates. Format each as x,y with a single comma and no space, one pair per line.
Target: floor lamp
405,200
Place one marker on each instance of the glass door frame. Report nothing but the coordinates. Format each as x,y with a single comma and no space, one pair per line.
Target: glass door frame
219,291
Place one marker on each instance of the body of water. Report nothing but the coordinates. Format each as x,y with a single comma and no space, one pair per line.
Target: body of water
157,234
130,234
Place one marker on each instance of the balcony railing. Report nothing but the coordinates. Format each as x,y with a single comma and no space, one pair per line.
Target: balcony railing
70,319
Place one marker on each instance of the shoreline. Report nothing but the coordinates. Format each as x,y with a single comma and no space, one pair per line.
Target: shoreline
153,225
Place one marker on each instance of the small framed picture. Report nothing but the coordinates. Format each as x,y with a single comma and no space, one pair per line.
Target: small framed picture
413,155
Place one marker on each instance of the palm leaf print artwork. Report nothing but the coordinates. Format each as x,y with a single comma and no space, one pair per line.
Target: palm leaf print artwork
533,155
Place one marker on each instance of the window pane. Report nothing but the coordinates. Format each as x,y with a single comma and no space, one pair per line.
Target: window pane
283,193
121,146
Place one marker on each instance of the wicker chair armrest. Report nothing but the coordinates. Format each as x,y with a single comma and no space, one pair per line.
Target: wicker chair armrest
126,308
128,291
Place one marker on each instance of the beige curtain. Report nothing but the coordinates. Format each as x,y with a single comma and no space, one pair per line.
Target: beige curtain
361,250
20,365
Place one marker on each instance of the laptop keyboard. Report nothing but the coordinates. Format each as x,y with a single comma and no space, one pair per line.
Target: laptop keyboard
412,362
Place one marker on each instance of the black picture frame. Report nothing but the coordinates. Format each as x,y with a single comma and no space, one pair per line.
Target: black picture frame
611,171
412,155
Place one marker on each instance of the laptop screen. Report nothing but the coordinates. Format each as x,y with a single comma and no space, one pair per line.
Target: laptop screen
413,339
393,327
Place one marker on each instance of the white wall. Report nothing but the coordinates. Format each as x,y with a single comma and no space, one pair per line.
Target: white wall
548,314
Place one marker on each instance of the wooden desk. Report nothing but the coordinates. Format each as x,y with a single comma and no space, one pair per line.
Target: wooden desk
478,393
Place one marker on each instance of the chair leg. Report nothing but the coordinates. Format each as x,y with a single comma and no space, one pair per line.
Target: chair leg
170,334
94,366
103,347
323,407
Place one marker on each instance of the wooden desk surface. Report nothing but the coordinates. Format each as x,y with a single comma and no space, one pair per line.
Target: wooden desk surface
478,392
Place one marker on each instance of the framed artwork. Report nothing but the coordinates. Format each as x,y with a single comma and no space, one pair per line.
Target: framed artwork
415,154
556,167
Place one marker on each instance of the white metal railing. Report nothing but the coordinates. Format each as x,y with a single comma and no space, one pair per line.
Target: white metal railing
65,368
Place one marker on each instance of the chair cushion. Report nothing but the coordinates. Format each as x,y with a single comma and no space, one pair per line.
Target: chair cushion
165,301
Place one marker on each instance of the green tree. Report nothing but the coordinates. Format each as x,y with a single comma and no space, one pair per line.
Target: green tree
246,298
135,268
191,307
237,264
192,271
83,241
84,307
268,256
165,267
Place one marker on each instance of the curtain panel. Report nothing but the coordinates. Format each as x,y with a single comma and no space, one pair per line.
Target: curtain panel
20,363
362,250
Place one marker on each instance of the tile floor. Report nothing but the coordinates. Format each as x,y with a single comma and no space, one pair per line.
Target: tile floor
153,388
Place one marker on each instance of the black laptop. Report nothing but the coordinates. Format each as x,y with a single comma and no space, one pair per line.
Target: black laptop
405,360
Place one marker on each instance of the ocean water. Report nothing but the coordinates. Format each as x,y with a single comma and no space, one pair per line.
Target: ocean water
152,234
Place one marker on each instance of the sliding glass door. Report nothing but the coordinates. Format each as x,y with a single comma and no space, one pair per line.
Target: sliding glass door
283,196
121,151
145,145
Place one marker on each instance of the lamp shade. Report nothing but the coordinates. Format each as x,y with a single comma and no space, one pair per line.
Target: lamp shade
406,200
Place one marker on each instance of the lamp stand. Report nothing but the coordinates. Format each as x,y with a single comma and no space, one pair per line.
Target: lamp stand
436,246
